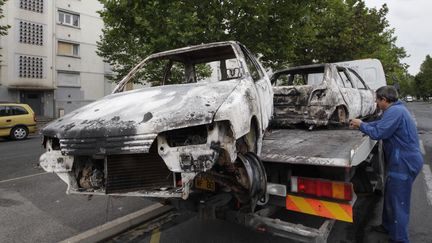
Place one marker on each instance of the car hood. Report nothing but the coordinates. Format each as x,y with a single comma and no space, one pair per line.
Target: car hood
144,111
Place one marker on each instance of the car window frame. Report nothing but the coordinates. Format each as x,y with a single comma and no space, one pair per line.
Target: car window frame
344,70
351,71
18,107
7,108
247,56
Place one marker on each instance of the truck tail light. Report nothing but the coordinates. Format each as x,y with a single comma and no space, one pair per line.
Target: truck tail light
322,188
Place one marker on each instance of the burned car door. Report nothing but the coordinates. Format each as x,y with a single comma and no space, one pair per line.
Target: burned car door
366,94
350,93
262,84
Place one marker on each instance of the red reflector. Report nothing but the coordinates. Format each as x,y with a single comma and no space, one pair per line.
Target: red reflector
325,189
306,186
348,191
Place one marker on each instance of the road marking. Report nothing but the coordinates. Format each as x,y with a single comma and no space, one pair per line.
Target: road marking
422,149
155,237
428,178
414,118
23,177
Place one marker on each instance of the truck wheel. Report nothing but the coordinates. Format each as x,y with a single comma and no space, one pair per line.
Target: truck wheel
19,133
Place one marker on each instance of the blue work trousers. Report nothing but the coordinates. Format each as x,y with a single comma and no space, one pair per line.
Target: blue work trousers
396,209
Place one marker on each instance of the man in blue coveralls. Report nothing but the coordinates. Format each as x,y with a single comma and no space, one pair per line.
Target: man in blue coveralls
398,131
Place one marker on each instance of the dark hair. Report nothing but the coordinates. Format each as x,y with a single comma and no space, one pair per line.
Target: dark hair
388,92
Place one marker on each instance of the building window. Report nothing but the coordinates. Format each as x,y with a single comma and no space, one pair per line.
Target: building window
68,49
30,67
32,5
30,33
65,78
68,18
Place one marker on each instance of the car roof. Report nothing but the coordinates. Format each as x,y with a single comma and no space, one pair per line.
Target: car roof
193,48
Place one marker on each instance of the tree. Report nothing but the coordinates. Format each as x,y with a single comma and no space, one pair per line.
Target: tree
423,80
3,28
283,32
135,29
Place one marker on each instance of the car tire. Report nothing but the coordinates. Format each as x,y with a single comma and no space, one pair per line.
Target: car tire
19,133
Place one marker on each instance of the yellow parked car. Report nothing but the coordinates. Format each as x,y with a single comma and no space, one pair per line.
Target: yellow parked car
16,120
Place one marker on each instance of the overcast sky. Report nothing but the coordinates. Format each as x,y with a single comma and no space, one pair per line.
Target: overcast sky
412,20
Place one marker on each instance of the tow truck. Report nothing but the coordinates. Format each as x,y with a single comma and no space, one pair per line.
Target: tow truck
311,172
315,174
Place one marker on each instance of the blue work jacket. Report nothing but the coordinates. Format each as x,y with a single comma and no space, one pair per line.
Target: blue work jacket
398,131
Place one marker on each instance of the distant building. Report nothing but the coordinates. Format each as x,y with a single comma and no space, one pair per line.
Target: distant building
49,58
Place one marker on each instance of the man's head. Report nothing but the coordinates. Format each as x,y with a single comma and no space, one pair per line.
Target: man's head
385,96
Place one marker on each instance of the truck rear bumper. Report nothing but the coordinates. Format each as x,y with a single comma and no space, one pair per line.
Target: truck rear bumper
328,209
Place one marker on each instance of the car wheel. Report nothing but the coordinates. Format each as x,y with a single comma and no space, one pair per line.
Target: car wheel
342,115
19,133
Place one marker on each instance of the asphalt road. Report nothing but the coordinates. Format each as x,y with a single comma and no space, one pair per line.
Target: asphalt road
35,208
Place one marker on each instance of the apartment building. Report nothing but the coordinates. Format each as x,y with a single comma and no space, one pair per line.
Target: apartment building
49,58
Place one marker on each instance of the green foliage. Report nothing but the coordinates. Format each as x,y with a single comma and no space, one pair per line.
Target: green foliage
423,80
3,28
283,32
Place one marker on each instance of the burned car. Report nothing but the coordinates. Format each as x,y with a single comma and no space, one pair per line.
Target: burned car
202,114
321,95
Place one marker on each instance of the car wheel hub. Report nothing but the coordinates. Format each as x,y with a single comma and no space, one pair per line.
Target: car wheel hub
20,133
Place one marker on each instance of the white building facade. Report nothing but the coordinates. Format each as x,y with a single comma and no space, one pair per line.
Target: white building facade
49,58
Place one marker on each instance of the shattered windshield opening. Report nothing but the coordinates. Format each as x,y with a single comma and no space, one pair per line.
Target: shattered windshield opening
206,65
313,76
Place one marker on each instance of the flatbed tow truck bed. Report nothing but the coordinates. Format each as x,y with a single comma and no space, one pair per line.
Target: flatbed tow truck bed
338,147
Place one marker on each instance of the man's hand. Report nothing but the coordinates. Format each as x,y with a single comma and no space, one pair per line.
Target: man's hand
355,123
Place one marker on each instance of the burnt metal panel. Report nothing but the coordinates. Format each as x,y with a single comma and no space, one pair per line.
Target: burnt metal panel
134,172
108,145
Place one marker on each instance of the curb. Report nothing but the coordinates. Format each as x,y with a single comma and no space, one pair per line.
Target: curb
119,225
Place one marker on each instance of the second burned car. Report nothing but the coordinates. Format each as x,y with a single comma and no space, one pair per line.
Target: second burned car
326,94
207,107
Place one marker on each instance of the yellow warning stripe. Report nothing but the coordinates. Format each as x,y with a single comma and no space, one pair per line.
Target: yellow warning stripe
155,237
302,205
339,211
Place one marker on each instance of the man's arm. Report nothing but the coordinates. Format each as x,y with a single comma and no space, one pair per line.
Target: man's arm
384,128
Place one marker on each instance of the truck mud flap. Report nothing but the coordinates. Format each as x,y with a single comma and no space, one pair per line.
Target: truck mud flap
322,208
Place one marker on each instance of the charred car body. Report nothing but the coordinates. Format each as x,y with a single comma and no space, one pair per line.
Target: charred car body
207,111
322,94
